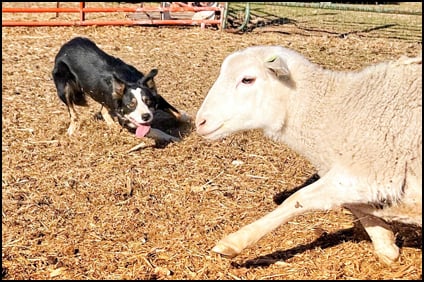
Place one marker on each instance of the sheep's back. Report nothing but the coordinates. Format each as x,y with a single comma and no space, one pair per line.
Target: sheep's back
379,135
386,104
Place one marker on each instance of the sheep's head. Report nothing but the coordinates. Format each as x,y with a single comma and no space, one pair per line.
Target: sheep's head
247,94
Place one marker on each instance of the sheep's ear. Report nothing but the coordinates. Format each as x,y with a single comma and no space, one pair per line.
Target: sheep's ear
278,66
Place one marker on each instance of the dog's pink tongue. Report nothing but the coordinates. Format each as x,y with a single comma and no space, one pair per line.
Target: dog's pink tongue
142,130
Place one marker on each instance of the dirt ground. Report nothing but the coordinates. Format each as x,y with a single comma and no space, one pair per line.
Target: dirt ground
84,207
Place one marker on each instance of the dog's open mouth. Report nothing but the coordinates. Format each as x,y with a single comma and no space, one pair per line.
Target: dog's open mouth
142,128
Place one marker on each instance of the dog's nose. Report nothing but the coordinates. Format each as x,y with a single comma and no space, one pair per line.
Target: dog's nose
146,117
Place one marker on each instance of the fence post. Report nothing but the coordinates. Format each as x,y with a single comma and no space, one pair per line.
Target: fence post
82,14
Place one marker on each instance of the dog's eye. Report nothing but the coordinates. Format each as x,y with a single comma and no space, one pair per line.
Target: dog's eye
147,101
132,104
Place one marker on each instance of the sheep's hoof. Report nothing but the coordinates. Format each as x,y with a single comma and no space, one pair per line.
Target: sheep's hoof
388,254
223,249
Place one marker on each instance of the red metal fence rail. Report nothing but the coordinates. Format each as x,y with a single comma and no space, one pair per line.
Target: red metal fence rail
172,7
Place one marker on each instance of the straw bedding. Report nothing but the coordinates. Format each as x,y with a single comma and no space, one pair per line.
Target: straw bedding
86,208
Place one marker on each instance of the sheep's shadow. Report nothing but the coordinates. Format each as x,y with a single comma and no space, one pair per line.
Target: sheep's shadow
324,241
281,196
406,236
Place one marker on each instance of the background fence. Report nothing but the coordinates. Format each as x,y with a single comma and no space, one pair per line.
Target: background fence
110,13
402,20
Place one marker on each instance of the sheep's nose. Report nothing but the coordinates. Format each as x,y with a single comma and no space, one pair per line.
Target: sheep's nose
146,117
200,122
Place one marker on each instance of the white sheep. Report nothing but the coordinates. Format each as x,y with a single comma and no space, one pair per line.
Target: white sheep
361,130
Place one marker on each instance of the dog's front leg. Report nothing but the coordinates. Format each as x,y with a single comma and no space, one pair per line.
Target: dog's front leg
159,135
184,117
107,117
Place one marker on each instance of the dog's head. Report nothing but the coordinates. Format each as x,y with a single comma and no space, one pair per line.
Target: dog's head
136,103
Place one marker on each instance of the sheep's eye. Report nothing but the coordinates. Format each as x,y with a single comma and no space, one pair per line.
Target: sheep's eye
132,104
248,80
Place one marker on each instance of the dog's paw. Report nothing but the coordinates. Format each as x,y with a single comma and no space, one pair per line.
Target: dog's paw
73,127
163,142
174,139
168,139
161,136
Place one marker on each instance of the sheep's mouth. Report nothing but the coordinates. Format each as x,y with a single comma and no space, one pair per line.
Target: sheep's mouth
211,134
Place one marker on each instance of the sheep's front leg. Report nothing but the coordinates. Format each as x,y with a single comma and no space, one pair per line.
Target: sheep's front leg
333,190
381,235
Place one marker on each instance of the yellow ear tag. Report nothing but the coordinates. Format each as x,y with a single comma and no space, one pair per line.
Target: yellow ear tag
272,59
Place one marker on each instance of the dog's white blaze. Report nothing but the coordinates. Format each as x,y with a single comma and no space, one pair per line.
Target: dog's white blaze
140,109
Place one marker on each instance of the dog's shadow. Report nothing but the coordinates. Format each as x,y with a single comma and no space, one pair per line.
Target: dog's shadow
406,236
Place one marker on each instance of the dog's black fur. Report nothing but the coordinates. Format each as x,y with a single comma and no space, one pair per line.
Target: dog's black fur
81,68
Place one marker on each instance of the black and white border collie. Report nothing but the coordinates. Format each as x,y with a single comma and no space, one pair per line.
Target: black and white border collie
126,95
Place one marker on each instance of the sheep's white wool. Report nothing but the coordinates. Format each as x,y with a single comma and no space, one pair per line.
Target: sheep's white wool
362,131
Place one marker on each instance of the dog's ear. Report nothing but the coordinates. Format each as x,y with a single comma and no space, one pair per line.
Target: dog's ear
118,87
163,105
148,80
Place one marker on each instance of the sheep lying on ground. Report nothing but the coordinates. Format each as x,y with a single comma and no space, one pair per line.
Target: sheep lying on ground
361,130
